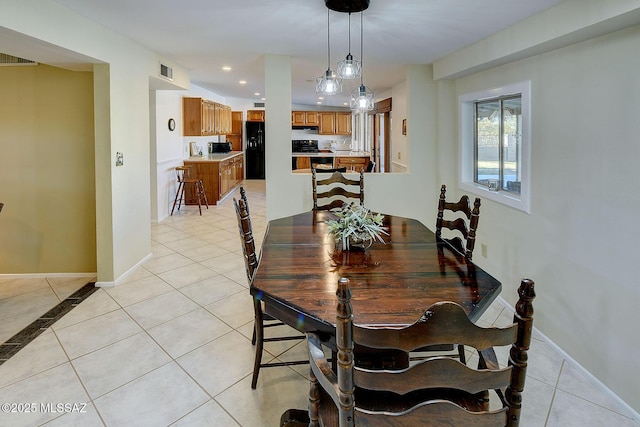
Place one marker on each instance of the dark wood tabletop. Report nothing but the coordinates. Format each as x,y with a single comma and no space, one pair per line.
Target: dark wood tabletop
392,283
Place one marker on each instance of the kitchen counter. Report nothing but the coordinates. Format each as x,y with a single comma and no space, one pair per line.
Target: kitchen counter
220,173
216,157
331,153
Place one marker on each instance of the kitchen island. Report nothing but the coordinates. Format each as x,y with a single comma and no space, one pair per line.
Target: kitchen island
352,160
220,173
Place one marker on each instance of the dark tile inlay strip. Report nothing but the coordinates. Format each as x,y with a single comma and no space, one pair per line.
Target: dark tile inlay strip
28,334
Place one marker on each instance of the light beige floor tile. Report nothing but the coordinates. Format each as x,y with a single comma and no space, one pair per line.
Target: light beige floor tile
43,353
65,286
170,236
536,403
278,389
158,398
187,275
110,367
186,244
139,290
90,335
137,274
544,363
210,250
219,236
235,310
10,287
213,289
97,304
188,332
165,263
225,263
161,308
32,305
220,363
568,410
239,276
574,381
158,250
209,414
56,385
10,326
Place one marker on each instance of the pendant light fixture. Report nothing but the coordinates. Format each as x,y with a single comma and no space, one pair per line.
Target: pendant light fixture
349,68
361,99
329,83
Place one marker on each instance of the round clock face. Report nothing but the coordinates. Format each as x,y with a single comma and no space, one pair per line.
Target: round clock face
172,124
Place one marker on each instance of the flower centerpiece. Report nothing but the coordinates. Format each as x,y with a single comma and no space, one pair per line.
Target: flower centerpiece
357,226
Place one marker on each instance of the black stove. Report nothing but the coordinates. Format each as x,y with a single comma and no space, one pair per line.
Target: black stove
304,145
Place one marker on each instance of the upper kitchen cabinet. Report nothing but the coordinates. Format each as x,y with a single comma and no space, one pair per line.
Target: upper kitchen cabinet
335,123
305,118
235,136
202,117
255,115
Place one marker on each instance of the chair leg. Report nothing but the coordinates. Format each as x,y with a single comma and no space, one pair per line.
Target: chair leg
206,202
196,187
176,199
259,331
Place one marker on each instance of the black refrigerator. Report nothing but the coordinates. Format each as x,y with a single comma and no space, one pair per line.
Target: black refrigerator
255,150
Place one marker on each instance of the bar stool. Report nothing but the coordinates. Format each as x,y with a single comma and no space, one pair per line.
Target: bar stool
185,180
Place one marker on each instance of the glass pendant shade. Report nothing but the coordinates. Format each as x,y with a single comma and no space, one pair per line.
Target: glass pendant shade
329,83
349,68
361,99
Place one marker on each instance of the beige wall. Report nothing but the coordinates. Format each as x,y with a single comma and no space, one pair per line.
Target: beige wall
580,241
47,171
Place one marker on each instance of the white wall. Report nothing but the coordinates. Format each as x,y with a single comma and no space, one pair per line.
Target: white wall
579,242
121,110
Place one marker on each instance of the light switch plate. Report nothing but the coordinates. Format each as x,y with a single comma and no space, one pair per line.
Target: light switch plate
119,159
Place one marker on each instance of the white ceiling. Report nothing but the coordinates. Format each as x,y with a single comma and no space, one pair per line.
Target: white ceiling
204,35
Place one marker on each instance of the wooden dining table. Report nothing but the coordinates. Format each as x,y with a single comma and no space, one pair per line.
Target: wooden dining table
392,283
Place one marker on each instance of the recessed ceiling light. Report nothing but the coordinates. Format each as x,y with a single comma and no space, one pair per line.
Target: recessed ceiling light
263,99
345,103
321,98
226,68
256,93
243,82
319,102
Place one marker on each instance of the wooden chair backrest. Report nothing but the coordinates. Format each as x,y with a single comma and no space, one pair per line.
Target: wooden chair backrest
465,228
337,185
436,389
246,235
183,173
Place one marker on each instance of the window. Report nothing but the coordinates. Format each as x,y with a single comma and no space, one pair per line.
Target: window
494,139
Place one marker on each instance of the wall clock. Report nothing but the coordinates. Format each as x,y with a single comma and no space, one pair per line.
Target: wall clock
172,125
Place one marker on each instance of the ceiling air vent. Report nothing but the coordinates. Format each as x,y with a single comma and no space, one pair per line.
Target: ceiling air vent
166,71
258,104
8,60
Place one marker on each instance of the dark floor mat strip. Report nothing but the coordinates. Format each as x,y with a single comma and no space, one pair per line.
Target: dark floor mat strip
28,334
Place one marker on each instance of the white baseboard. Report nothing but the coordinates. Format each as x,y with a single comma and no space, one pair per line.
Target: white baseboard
42,275
124,275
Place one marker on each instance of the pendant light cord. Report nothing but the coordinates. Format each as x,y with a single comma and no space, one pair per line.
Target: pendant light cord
328,43
361,43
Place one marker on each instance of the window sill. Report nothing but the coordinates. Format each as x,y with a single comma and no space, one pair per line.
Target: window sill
519,202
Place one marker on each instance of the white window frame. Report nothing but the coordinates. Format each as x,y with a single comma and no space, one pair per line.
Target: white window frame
467,133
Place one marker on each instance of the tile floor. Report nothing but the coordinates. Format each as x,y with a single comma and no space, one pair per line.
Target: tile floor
171,345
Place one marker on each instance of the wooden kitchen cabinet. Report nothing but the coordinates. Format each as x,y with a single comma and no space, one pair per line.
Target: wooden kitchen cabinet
305,118
255,115
202,117
352,163
235,136
335,123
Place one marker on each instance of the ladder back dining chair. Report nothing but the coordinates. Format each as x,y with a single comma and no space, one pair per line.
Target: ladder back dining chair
464,227
438,391
261,319
335,190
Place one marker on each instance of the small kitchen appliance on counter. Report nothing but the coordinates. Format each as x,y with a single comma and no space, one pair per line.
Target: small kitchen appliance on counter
219,147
